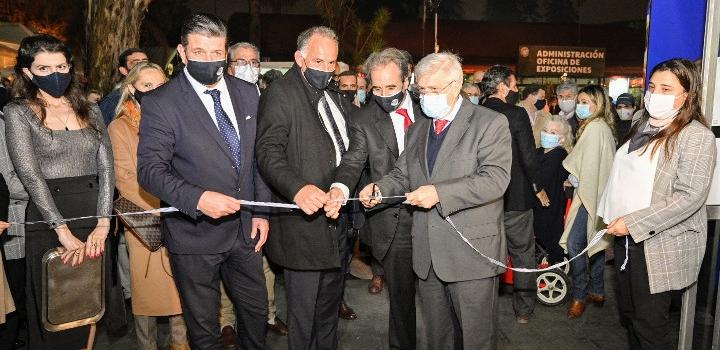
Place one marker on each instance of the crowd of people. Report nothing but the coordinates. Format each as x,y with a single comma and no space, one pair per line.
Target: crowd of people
443,166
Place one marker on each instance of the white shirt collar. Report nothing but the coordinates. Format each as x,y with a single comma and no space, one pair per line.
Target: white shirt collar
200,88
454,111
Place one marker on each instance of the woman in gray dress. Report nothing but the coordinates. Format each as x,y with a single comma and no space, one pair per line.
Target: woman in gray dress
62,154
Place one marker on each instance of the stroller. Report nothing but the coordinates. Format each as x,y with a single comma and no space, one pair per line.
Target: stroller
553,286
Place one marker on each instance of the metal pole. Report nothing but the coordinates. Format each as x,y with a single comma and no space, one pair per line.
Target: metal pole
709,61
687,318
437,47
716,328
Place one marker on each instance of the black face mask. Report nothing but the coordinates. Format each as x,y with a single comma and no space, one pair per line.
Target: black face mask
317,78
54,84
390,103
540,104
349,94
138,95
511,97
207,73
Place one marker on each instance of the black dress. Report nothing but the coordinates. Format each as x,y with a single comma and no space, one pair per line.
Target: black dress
549,222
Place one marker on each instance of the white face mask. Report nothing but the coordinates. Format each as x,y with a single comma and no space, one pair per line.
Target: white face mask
660,106
435,106
567,106
247,73
625,113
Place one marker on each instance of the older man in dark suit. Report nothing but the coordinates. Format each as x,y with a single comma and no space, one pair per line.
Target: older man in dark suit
500,87
196,153
377,137
457,165
302,135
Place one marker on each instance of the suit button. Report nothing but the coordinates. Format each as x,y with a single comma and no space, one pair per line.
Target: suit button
396,215
90,185
57,189
652,232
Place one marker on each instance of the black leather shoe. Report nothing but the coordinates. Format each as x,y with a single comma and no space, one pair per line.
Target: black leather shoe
346,312
279,327
228,337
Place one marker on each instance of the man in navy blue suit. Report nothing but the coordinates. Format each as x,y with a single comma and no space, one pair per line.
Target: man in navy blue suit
196,153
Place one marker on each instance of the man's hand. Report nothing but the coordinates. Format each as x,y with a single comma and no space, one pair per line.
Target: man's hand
310,199
367,196
618,228
424,197
543,197
263,227
336,199
217,205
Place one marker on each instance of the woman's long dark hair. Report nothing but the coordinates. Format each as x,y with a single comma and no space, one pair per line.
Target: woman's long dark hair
689,76
25,91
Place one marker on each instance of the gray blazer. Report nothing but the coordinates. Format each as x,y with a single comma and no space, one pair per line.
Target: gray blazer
14,239
674,227
471,174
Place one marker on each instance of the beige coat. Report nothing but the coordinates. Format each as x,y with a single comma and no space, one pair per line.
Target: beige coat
6,301
153,287
590,161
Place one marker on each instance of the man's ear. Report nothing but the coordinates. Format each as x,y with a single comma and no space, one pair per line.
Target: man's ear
299,59
183,55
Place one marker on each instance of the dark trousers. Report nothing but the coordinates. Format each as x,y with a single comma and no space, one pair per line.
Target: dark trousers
400,281
15,322
645,316
198,280
587,272
376,267
313,301
459,315
521,246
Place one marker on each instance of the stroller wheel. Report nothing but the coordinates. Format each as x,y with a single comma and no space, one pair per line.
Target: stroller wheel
553,287
545,263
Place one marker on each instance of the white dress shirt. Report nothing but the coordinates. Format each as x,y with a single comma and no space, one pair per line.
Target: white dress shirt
339,120
398,121
453,113
207,100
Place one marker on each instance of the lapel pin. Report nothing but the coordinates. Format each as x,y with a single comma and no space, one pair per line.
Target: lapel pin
248,117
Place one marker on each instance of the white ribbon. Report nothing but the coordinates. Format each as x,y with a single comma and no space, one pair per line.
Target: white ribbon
162,210
598,236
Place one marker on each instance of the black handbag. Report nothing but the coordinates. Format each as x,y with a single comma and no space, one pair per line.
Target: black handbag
146,227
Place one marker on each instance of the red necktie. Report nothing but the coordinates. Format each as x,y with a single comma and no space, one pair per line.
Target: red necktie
407,122
440,125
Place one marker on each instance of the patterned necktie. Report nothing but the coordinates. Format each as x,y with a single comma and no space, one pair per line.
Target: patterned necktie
333,124
440,125
407,122
227,130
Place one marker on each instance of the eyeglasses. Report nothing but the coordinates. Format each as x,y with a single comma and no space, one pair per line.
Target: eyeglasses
431,90
241,63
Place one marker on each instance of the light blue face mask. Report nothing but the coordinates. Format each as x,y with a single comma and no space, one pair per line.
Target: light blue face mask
361,96
435,106
583,111
549,141
474,99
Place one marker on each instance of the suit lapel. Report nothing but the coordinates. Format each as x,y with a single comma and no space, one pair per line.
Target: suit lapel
241,115
385,128
197,110
458,127
422,140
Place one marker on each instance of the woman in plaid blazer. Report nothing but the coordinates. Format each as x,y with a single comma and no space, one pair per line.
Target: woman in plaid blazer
665,241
